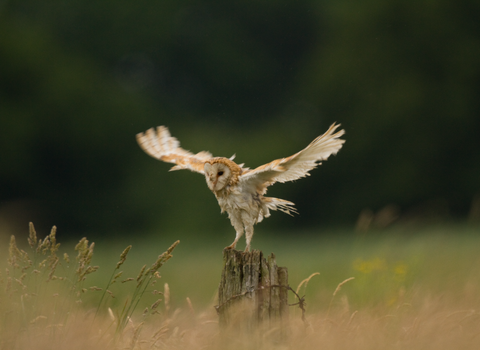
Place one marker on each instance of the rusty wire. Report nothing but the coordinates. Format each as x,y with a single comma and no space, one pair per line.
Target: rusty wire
301,300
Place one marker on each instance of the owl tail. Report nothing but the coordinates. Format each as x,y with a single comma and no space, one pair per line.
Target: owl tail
271,203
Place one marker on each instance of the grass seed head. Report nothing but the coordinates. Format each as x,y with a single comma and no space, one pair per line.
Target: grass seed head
117,276
155,304
123,256
341,284
166,295
81,245
190,306
53,267
306,280
53,241
145,312
140,275
32,237
14,253
112,316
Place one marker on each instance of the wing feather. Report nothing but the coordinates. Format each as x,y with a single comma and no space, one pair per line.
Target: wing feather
160,145
299,164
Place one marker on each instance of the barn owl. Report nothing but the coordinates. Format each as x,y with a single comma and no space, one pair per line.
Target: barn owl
240,191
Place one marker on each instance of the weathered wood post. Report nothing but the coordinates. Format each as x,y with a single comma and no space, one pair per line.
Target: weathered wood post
252,290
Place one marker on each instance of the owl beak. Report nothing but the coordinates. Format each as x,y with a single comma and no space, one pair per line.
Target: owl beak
214,184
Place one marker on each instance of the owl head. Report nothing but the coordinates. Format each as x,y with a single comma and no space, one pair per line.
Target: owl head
221,172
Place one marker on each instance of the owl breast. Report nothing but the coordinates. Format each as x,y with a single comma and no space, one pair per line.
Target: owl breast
237,200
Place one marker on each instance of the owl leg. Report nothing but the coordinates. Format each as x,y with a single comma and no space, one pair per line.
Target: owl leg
248,223
237,223
248,236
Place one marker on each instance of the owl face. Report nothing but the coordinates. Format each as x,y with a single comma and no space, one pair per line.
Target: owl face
217,175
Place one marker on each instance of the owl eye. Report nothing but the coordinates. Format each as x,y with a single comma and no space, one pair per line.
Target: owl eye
220,173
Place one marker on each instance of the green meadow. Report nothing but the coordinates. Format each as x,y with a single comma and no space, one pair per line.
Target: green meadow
384,263
362,289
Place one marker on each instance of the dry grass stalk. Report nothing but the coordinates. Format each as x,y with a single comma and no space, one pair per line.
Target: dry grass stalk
146,278
32,237
37,315
305,281
140,275
166,295
136,334
114,277
336,291
34,304
190,307
123,257
341,284
352,317
154,306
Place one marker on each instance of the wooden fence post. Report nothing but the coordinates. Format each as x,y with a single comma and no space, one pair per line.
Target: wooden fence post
252,290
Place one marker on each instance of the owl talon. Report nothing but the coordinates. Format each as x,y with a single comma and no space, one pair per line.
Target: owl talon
231,246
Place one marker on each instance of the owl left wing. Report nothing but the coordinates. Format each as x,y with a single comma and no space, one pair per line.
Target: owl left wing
299,164
162,146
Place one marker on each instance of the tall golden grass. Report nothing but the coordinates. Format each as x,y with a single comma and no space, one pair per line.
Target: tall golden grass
46,302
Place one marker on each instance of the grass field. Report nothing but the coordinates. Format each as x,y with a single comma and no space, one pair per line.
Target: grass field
412,288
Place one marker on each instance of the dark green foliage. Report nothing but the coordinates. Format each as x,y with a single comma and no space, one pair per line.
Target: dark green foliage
78,80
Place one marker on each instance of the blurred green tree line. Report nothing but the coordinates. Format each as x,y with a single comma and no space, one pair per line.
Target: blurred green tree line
79,78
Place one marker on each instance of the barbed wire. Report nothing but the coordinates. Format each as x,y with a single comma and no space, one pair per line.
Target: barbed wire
301,300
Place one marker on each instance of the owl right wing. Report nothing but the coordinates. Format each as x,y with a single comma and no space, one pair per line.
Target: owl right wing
162,146
297,165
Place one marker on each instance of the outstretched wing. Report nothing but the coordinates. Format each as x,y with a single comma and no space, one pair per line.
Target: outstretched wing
298,165
162,146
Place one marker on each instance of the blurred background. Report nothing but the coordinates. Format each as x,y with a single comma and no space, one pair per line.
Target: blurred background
261,79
